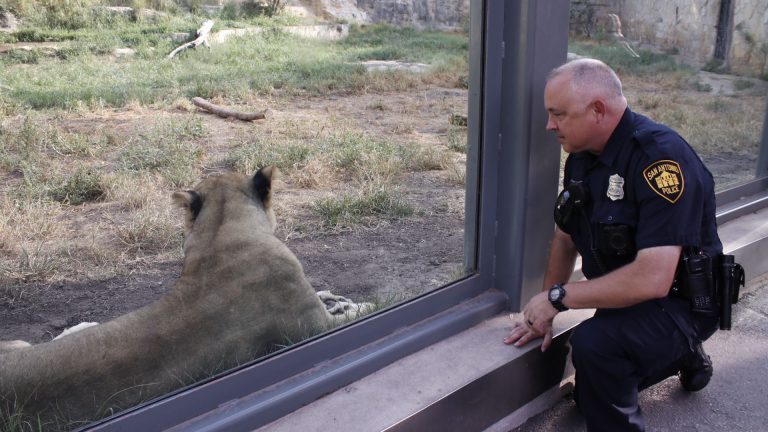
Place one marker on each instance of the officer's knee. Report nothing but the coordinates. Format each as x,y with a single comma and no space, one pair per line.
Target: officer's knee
588,342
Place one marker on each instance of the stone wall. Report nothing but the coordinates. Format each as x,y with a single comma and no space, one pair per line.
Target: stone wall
422,14
431,14
684,27
749,51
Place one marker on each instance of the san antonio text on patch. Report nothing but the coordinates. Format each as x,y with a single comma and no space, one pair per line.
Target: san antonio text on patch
666,179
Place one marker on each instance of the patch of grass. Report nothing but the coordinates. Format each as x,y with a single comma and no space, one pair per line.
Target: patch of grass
86,184
14,419
348,211
21,150
649,102
135,190
30,149
713,125
382,42
169,150
742,84
151,229
31,265
457,174
457,139
251,155
21,56
286,63
426,158
34,220
648,64
702,87
718,105
369,158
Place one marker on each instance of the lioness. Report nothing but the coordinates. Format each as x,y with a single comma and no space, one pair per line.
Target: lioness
241,294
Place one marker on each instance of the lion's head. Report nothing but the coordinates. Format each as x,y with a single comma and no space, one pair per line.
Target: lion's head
230,199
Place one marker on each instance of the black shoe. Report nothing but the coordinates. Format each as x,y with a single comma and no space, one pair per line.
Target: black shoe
696,370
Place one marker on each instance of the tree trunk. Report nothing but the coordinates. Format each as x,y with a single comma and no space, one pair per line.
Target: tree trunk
724,34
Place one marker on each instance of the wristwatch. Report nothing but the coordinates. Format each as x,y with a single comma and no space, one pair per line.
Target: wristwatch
556,296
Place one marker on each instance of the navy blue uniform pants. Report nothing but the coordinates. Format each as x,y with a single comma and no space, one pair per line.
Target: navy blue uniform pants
619,352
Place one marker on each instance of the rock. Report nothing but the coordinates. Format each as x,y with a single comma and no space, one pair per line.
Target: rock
8,22
123,52
382,65
422,14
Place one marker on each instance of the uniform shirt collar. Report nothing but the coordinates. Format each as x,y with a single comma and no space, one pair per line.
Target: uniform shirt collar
618,138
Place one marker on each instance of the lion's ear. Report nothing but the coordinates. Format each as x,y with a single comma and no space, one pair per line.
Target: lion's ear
262,183
189,200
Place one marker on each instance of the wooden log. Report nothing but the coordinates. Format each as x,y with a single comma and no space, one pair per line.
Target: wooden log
202,38
228,113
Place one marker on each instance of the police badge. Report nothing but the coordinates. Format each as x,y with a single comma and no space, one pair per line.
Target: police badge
615,187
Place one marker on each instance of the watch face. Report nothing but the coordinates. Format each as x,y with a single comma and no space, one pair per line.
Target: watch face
554,294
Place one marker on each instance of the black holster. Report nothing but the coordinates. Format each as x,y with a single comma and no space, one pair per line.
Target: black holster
710,284
730,280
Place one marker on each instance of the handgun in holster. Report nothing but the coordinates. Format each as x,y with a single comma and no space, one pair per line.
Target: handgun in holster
710,284
730,280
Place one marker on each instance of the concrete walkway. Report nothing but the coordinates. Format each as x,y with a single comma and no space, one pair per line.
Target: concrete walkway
735,400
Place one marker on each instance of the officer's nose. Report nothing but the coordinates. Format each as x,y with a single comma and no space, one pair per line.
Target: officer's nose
551,125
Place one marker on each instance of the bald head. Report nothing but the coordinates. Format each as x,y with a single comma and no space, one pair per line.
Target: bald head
591,78
585,104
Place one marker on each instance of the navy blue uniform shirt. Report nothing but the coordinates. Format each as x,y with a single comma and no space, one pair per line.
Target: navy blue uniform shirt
648,188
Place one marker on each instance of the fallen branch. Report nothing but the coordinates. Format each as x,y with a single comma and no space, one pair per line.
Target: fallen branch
228,113
202,38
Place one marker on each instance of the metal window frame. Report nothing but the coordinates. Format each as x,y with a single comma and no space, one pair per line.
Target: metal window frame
508,212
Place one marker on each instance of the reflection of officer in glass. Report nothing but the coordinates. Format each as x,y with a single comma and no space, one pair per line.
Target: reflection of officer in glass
636,196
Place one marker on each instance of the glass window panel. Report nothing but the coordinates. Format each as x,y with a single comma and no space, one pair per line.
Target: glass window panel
712,93
369,135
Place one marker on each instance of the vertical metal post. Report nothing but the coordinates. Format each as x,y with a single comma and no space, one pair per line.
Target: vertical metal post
474,134
762,159
535,41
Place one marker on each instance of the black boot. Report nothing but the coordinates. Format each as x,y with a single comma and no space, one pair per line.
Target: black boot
696,370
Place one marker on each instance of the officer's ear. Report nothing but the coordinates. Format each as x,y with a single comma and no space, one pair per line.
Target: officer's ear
598,109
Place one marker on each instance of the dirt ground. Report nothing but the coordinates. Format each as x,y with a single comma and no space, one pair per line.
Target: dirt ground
390,261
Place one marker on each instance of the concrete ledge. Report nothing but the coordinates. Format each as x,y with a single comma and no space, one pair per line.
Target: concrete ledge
747,239
465,382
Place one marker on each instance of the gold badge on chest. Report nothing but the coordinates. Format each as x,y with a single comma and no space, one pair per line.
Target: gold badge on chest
615,187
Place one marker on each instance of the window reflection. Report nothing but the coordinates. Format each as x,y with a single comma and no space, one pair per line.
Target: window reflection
717,104
368,135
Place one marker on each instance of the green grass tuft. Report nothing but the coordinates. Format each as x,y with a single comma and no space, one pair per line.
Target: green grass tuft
347,212
86,184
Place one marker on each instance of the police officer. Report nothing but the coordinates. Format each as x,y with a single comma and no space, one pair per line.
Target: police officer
636,200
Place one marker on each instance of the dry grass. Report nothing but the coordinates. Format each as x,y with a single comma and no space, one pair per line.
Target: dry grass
724,130
87,201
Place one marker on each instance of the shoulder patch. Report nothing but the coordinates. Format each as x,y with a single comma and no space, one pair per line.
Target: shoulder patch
666,179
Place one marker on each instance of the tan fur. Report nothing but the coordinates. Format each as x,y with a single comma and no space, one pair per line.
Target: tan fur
241,294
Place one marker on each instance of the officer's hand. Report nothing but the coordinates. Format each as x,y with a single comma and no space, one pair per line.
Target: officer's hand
522,333
534,322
